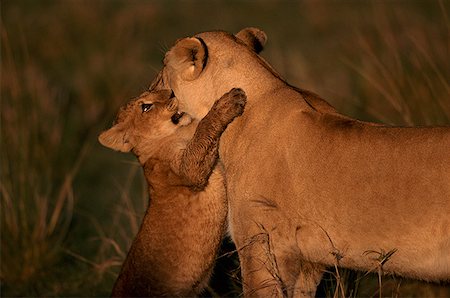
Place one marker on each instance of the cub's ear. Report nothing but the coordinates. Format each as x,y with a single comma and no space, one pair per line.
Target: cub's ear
115,138
187,57
253,37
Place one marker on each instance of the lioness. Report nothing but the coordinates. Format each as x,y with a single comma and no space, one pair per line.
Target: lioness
307,186
175,249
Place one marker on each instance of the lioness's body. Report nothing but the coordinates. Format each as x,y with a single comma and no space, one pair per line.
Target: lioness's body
175,249
349,180
320,187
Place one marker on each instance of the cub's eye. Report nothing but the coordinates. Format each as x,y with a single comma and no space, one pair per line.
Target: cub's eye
146,107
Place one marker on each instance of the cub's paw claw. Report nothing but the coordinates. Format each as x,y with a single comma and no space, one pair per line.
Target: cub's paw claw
238,98
231,104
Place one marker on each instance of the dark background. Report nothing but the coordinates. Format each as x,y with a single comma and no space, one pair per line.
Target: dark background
70,208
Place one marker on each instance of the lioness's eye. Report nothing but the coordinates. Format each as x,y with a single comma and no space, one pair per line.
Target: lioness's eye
146,107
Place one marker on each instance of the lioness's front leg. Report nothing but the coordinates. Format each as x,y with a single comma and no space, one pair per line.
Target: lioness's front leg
308,279
271,267
259,269
201,153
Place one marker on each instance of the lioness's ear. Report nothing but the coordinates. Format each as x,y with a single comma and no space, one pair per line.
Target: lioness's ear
188,57
253,37
115,138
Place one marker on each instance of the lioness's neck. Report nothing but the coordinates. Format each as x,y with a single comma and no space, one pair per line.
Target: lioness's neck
256,79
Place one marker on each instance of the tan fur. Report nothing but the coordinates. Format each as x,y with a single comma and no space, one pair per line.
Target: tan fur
175,249
320,187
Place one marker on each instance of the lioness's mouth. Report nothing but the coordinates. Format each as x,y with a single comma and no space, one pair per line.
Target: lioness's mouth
176,117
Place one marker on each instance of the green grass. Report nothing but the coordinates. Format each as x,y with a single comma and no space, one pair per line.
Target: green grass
70,208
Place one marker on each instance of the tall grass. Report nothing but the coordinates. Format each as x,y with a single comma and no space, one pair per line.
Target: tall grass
70,209
57,88
126,220
37,198
407,68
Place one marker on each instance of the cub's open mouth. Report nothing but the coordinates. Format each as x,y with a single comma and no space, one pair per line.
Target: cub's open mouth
176,117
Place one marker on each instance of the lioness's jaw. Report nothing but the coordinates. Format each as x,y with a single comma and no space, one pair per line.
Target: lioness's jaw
253,37
188,58
115,138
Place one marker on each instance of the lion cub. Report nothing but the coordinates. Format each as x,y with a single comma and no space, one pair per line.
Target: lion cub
174,251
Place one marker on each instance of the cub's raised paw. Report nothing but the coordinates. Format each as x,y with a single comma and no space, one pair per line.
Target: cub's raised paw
231,104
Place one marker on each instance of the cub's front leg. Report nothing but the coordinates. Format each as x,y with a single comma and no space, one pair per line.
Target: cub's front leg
201,153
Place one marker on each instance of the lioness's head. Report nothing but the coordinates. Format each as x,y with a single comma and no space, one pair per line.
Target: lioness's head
201,68
144,122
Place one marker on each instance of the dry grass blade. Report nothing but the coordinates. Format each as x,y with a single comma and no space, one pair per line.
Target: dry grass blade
382,258
99,267
10,216
337,256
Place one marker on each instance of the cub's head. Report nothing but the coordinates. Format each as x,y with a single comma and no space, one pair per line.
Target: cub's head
142,123
200,69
